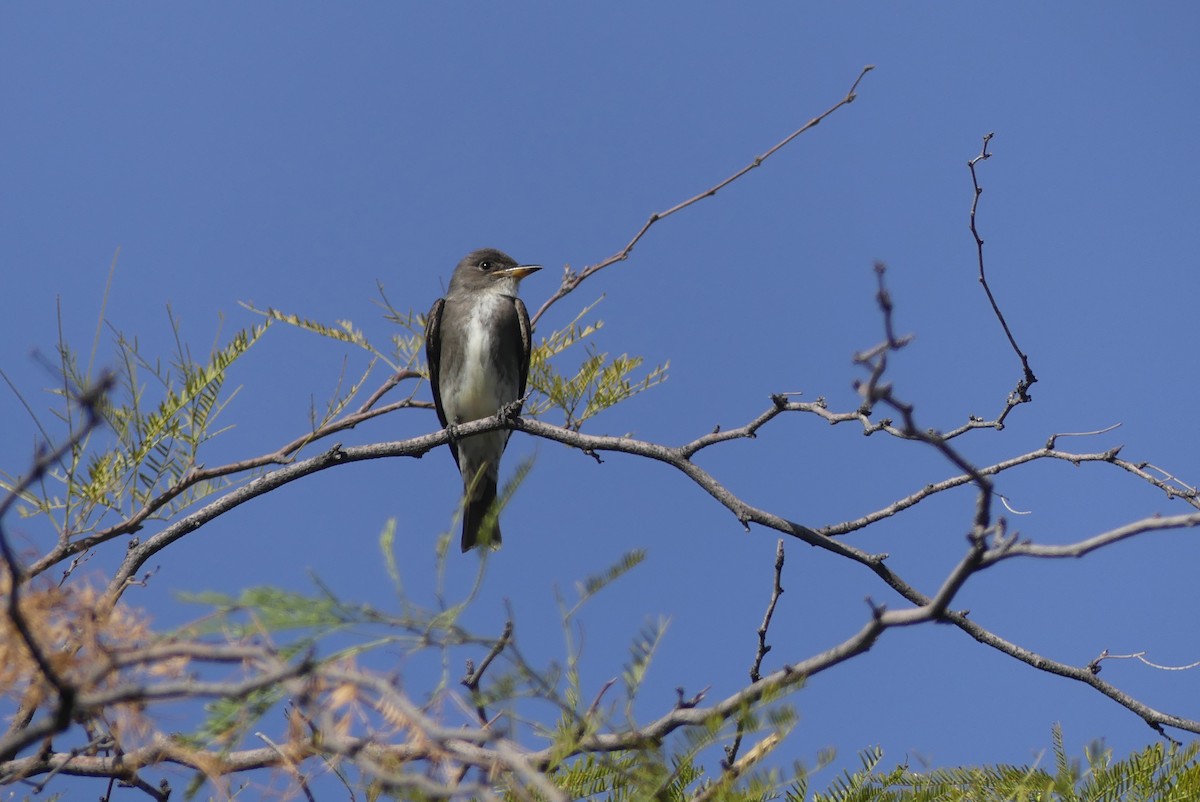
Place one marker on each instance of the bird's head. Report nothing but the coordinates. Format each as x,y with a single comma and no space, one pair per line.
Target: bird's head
490,270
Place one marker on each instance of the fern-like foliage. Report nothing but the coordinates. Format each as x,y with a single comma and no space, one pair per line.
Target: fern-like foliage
159,416
598,384
1154,774
403,353
597,582
641,652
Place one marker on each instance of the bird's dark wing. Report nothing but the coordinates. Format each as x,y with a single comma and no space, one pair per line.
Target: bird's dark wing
433,356
433,353
526,343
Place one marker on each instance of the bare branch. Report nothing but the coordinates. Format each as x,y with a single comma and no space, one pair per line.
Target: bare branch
473,677
1155,523
731,751
1020,394
292,768
571,280
1094,666
776,592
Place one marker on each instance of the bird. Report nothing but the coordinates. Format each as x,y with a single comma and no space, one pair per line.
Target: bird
477,344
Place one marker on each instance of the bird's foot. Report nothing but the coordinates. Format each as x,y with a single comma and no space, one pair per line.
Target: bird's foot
512,410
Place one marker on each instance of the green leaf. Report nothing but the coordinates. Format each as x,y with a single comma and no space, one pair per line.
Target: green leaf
641,652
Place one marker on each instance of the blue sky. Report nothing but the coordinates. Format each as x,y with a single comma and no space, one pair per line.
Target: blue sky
293,155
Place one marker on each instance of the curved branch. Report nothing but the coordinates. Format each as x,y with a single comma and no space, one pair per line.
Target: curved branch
1020,394
281,456
571,280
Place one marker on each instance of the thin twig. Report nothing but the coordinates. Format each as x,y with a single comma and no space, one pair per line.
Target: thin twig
474,675
1094,666
571,279
731,751
776,592
1020,394
292,768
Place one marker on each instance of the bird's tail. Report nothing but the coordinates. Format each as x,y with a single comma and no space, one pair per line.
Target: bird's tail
481,522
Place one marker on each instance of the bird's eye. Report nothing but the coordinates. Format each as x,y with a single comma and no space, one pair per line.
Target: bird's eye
485,265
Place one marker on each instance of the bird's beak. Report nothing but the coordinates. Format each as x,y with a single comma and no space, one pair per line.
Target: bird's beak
518,272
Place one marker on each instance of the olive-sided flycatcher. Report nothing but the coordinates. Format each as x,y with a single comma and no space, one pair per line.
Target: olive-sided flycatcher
477,343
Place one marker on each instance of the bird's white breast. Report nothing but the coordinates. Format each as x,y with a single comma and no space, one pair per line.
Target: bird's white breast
480,397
